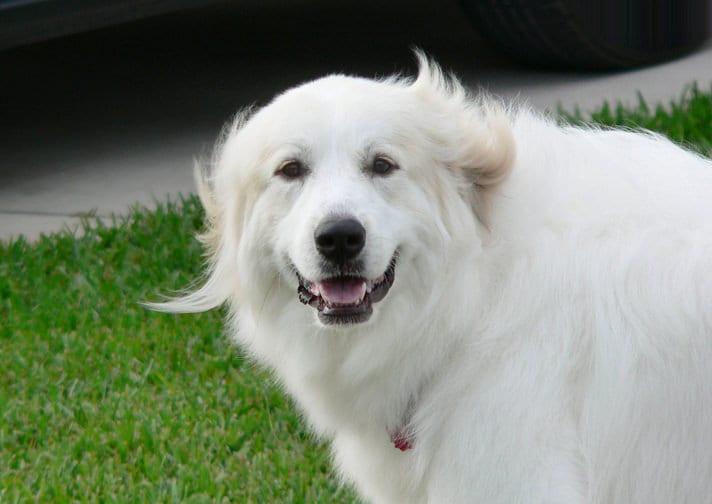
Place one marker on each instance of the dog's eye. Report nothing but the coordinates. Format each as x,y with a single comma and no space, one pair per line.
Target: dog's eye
291,170
383,166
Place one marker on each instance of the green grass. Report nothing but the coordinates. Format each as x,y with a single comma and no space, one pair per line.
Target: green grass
687,120
103,401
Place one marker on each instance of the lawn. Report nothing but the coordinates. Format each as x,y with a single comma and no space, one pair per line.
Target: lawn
103,401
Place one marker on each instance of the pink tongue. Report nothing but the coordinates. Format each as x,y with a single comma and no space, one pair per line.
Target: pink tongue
344,291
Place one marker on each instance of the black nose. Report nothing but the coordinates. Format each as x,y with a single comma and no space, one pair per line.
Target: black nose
340,240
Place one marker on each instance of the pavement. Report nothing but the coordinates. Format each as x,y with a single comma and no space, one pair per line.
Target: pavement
93,123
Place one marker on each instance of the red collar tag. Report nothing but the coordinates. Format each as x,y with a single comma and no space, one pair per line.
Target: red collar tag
401,441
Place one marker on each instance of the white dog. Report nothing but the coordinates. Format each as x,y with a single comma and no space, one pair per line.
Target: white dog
494,308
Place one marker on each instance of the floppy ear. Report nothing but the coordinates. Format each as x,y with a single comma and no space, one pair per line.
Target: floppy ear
220,215
213,292
477,134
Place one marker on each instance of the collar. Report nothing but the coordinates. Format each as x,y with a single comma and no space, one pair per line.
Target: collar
403,437
402,440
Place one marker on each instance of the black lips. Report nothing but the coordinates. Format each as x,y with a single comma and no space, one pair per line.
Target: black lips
351,314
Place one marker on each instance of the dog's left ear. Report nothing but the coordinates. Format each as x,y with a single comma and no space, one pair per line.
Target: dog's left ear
475,132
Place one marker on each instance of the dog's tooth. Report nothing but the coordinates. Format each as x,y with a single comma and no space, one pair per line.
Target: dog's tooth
304,296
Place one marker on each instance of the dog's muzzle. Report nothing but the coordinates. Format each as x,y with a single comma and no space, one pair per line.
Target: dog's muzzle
346,299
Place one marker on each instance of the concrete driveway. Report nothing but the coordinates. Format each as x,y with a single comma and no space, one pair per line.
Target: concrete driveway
93,123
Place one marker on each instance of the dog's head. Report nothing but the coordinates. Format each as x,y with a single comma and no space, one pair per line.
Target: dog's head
345,193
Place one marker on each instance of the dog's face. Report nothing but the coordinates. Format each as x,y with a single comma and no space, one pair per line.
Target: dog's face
345,193
342,226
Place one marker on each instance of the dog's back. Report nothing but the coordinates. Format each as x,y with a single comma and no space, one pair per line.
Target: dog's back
600,325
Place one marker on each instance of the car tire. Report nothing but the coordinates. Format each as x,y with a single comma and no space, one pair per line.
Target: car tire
592,35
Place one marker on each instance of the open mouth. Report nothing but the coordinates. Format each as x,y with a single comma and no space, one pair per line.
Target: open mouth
346,299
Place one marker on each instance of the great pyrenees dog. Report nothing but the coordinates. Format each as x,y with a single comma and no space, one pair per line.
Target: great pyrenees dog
471,302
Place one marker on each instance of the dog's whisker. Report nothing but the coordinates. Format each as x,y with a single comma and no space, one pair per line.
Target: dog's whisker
264,301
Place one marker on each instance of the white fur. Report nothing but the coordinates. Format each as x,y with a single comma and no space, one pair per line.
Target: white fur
548,337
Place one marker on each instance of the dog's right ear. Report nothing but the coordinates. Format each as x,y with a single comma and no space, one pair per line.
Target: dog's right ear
214,290
224,210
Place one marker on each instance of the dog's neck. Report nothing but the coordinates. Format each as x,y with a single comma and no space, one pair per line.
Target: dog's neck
385,397
370,377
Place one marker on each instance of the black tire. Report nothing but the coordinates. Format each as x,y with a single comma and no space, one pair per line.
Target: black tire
591,34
